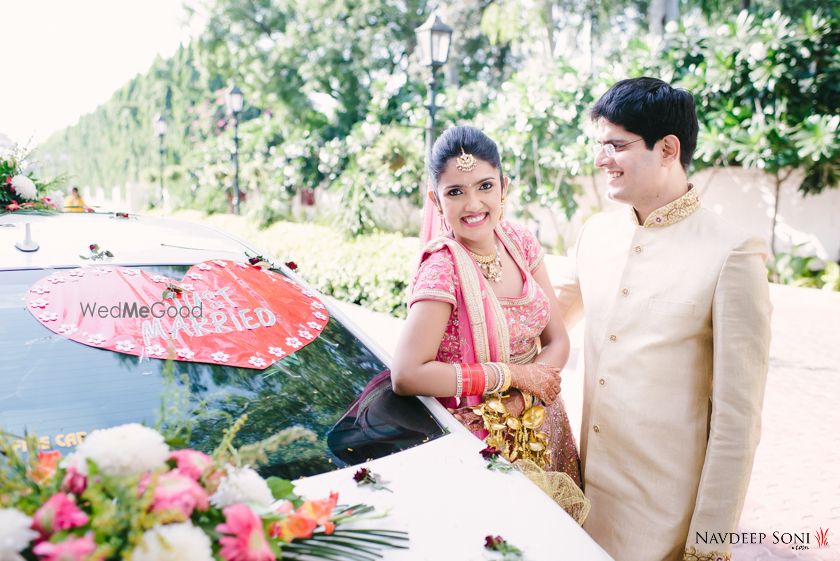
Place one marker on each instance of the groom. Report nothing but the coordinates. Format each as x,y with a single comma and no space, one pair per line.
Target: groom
676,342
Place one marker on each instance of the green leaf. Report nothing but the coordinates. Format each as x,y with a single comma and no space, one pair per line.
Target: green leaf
281,489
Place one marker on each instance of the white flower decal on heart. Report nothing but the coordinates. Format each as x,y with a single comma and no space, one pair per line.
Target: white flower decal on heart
305,334
39,290
313,325
67,328
96,339
195,276
48,316
77,273
276,351
204,266
188,286
257,362
159,278
318,306
129,272
56,279
294,342
154,350
220,263
319,315
219,356
185,353
39,303
125,345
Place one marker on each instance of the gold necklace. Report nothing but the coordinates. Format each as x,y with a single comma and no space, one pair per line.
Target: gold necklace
490,265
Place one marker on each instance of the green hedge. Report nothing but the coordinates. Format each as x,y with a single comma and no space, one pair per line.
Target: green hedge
371,270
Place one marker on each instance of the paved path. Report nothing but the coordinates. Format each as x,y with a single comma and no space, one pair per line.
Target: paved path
795,486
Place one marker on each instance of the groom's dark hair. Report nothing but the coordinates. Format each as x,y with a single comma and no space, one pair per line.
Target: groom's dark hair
652,109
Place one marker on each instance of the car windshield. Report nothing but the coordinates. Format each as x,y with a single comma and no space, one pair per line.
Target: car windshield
335,387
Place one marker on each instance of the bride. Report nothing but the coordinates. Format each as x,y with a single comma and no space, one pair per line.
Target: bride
483,333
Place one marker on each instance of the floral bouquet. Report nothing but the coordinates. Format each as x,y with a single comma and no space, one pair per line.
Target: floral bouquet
124,494
19,191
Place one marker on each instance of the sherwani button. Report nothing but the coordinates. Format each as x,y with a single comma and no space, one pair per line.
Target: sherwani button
596,428
613,338
625,291
637,249
602,381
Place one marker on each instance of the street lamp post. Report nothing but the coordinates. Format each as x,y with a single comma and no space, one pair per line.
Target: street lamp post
235,101
433,39
160,131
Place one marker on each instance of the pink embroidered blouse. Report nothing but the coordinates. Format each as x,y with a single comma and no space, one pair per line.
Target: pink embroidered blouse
526,315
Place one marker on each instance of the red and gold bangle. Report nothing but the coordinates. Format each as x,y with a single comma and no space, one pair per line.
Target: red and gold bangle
473,379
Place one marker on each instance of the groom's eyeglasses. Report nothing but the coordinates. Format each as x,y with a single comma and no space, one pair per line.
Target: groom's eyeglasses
610,149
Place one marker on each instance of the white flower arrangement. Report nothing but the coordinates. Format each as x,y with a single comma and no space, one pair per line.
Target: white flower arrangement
242,485
15,533
24,187
123,450
173,542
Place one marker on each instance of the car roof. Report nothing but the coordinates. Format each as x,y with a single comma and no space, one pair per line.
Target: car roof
137,240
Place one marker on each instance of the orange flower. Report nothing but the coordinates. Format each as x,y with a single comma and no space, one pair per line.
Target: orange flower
46,467
320,511
293,527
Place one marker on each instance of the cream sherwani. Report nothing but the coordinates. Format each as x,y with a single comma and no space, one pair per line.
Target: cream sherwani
676,350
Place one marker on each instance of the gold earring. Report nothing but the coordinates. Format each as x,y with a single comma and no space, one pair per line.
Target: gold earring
444,227
502,215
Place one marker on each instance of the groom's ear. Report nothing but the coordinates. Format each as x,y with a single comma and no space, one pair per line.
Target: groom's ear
670,149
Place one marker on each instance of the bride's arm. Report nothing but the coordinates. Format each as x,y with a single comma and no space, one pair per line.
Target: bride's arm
554,338
414,370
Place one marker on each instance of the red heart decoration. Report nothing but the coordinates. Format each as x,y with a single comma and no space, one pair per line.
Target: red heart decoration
227,312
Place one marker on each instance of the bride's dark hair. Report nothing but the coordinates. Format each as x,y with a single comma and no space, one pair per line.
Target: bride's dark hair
462,139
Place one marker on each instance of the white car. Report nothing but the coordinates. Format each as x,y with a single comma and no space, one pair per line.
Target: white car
336,385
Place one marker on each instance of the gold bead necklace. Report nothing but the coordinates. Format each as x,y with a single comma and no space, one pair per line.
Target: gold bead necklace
490,265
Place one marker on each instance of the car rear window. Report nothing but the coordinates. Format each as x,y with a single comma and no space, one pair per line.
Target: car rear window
336,387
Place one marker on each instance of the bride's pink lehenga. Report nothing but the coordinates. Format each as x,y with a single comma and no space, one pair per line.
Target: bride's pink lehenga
473,333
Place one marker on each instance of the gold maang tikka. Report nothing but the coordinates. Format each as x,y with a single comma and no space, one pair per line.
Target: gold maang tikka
465,162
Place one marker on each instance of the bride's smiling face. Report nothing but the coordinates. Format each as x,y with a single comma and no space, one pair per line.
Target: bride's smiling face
471,201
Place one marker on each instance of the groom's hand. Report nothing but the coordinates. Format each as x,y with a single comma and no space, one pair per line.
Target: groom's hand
540,380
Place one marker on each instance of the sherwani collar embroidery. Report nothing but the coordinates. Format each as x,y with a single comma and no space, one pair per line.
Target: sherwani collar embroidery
671,213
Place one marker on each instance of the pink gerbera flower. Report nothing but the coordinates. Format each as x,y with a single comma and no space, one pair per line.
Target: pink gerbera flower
246,540
57,514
